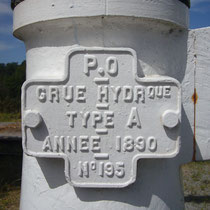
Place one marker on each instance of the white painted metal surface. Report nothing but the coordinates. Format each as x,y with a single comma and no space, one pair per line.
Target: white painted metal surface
201,60
171,11
148,45
107,117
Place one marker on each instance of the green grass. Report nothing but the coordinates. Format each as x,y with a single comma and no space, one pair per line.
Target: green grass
196,178
9,197
10,117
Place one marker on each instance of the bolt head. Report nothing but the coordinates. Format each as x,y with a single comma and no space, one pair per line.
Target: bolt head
32,119
170,119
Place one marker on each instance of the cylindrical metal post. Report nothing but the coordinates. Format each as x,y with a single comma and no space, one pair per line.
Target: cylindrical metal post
151,36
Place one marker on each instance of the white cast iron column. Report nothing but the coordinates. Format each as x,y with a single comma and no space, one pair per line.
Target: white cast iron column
158,32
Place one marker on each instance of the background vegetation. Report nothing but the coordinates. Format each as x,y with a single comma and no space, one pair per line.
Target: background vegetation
12,76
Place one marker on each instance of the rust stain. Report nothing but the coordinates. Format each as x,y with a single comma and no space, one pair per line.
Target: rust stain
194,148
194,99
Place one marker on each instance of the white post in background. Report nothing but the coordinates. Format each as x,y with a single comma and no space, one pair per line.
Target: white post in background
114,103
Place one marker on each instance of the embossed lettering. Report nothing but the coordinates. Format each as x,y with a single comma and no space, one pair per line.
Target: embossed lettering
139,94
84,143
96,118
140,144
118,143
108,119
47,145
85,117
68,93
101,96
80,90
108,169
127,93
90,61
133,119
53,93
103,93
71,144
116,92
41,93
120,171
152,144
112,66
83,169
93,165
72,115
167,91
101,169
59,143
159,92
128,144
95,140
151,92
